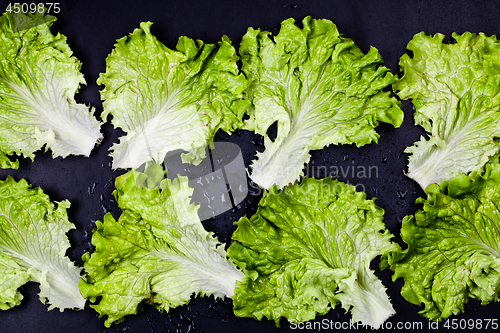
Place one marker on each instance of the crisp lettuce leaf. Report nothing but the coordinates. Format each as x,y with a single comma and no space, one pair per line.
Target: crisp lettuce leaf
157,252
38,80
453,245
170,99
33,245
307,248
320,89
454,88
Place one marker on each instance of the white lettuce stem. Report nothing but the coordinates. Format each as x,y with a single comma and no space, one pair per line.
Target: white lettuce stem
283,159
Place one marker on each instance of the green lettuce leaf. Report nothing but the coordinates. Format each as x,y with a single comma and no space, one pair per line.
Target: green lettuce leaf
453,245
38,80
33,245
307,248
454,88
157,252
170,99
320,89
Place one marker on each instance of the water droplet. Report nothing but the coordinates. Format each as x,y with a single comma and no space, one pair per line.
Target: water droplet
383,160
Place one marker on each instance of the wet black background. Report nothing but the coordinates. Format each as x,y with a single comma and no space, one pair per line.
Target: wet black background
92,28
